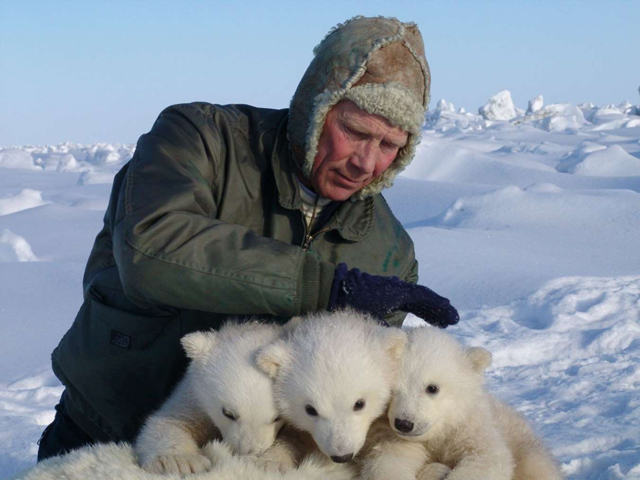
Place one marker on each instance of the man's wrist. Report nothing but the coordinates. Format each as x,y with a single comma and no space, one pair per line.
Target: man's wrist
315,289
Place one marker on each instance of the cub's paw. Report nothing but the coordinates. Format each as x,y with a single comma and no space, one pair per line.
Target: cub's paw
181,464
270,462
434,471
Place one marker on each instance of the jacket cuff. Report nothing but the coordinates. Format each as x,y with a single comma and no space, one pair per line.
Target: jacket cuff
317,278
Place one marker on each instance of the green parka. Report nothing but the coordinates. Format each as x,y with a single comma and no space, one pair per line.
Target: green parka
205,222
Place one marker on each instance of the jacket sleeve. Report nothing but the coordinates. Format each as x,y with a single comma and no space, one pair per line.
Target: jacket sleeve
170,248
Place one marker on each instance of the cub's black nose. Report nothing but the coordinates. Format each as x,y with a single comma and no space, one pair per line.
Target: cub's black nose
343,458
404,426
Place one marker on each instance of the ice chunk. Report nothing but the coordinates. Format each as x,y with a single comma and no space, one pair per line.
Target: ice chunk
499,107
445,119
67,163
443,106
535,104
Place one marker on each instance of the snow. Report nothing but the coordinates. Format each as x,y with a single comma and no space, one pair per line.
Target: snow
15,248
499,107
27,198
535,104
528,221
597,160
15,158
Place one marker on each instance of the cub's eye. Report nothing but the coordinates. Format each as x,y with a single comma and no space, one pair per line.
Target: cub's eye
432,389
229,415
311,411
359,405
277,419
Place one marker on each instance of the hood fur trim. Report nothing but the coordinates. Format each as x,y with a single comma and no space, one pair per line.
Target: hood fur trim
393,101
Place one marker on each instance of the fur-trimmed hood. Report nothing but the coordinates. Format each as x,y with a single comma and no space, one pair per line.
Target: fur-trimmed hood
377,63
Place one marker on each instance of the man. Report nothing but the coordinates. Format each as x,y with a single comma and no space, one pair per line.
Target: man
237,210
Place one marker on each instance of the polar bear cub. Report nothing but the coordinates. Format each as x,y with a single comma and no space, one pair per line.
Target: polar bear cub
455,428
221,394
333,376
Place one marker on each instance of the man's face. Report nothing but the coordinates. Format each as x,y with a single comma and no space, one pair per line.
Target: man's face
355,147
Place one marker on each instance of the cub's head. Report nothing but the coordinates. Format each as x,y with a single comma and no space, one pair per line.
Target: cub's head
333,376
438,385
237,396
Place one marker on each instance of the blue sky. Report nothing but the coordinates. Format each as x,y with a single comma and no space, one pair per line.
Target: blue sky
102,70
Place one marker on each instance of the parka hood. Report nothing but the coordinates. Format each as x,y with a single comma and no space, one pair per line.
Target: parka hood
378,63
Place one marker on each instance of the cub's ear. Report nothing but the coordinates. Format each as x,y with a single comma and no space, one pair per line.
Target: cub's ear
395,341
291,325
199,344
480,359
272,357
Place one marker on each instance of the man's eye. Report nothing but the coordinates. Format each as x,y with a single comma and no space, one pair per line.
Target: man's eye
355,133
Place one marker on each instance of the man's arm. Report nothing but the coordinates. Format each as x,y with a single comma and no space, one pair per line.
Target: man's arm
171,249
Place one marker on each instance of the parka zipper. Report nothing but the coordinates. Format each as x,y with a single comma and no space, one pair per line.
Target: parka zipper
308,238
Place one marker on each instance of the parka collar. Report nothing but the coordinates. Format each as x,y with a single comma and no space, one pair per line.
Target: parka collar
353,220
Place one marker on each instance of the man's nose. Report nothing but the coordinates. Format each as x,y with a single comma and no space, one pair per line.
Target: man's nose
365,158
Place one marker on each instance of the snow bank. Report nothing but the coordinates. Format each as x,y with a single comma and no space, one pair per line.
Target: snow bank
581,318
91,177
569,354
16,158
541,208
14,248
27,407
24,200
593,159
445,159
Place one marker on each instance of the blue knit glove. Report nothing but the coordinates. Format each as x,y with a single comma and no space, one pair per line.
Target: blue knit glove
379,296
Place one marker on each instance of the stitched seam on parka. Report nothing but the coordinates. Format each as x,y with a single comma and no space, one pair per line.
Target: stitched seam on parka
197,268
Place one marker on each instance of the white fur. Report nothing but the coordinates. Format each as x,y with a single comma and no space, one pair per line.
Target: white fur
222,377
117,462
330,362
461,427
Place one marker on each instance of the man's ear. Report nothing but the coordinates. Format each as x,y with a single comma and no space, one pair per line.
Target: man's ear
199,344
272,357
480,359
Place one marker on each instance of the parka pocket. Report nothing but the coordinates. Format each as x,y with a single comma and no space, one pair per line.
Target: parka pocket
123,364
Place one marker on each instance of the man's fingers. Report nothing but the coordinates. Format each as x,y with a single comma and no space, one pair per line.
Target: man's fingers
438,316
